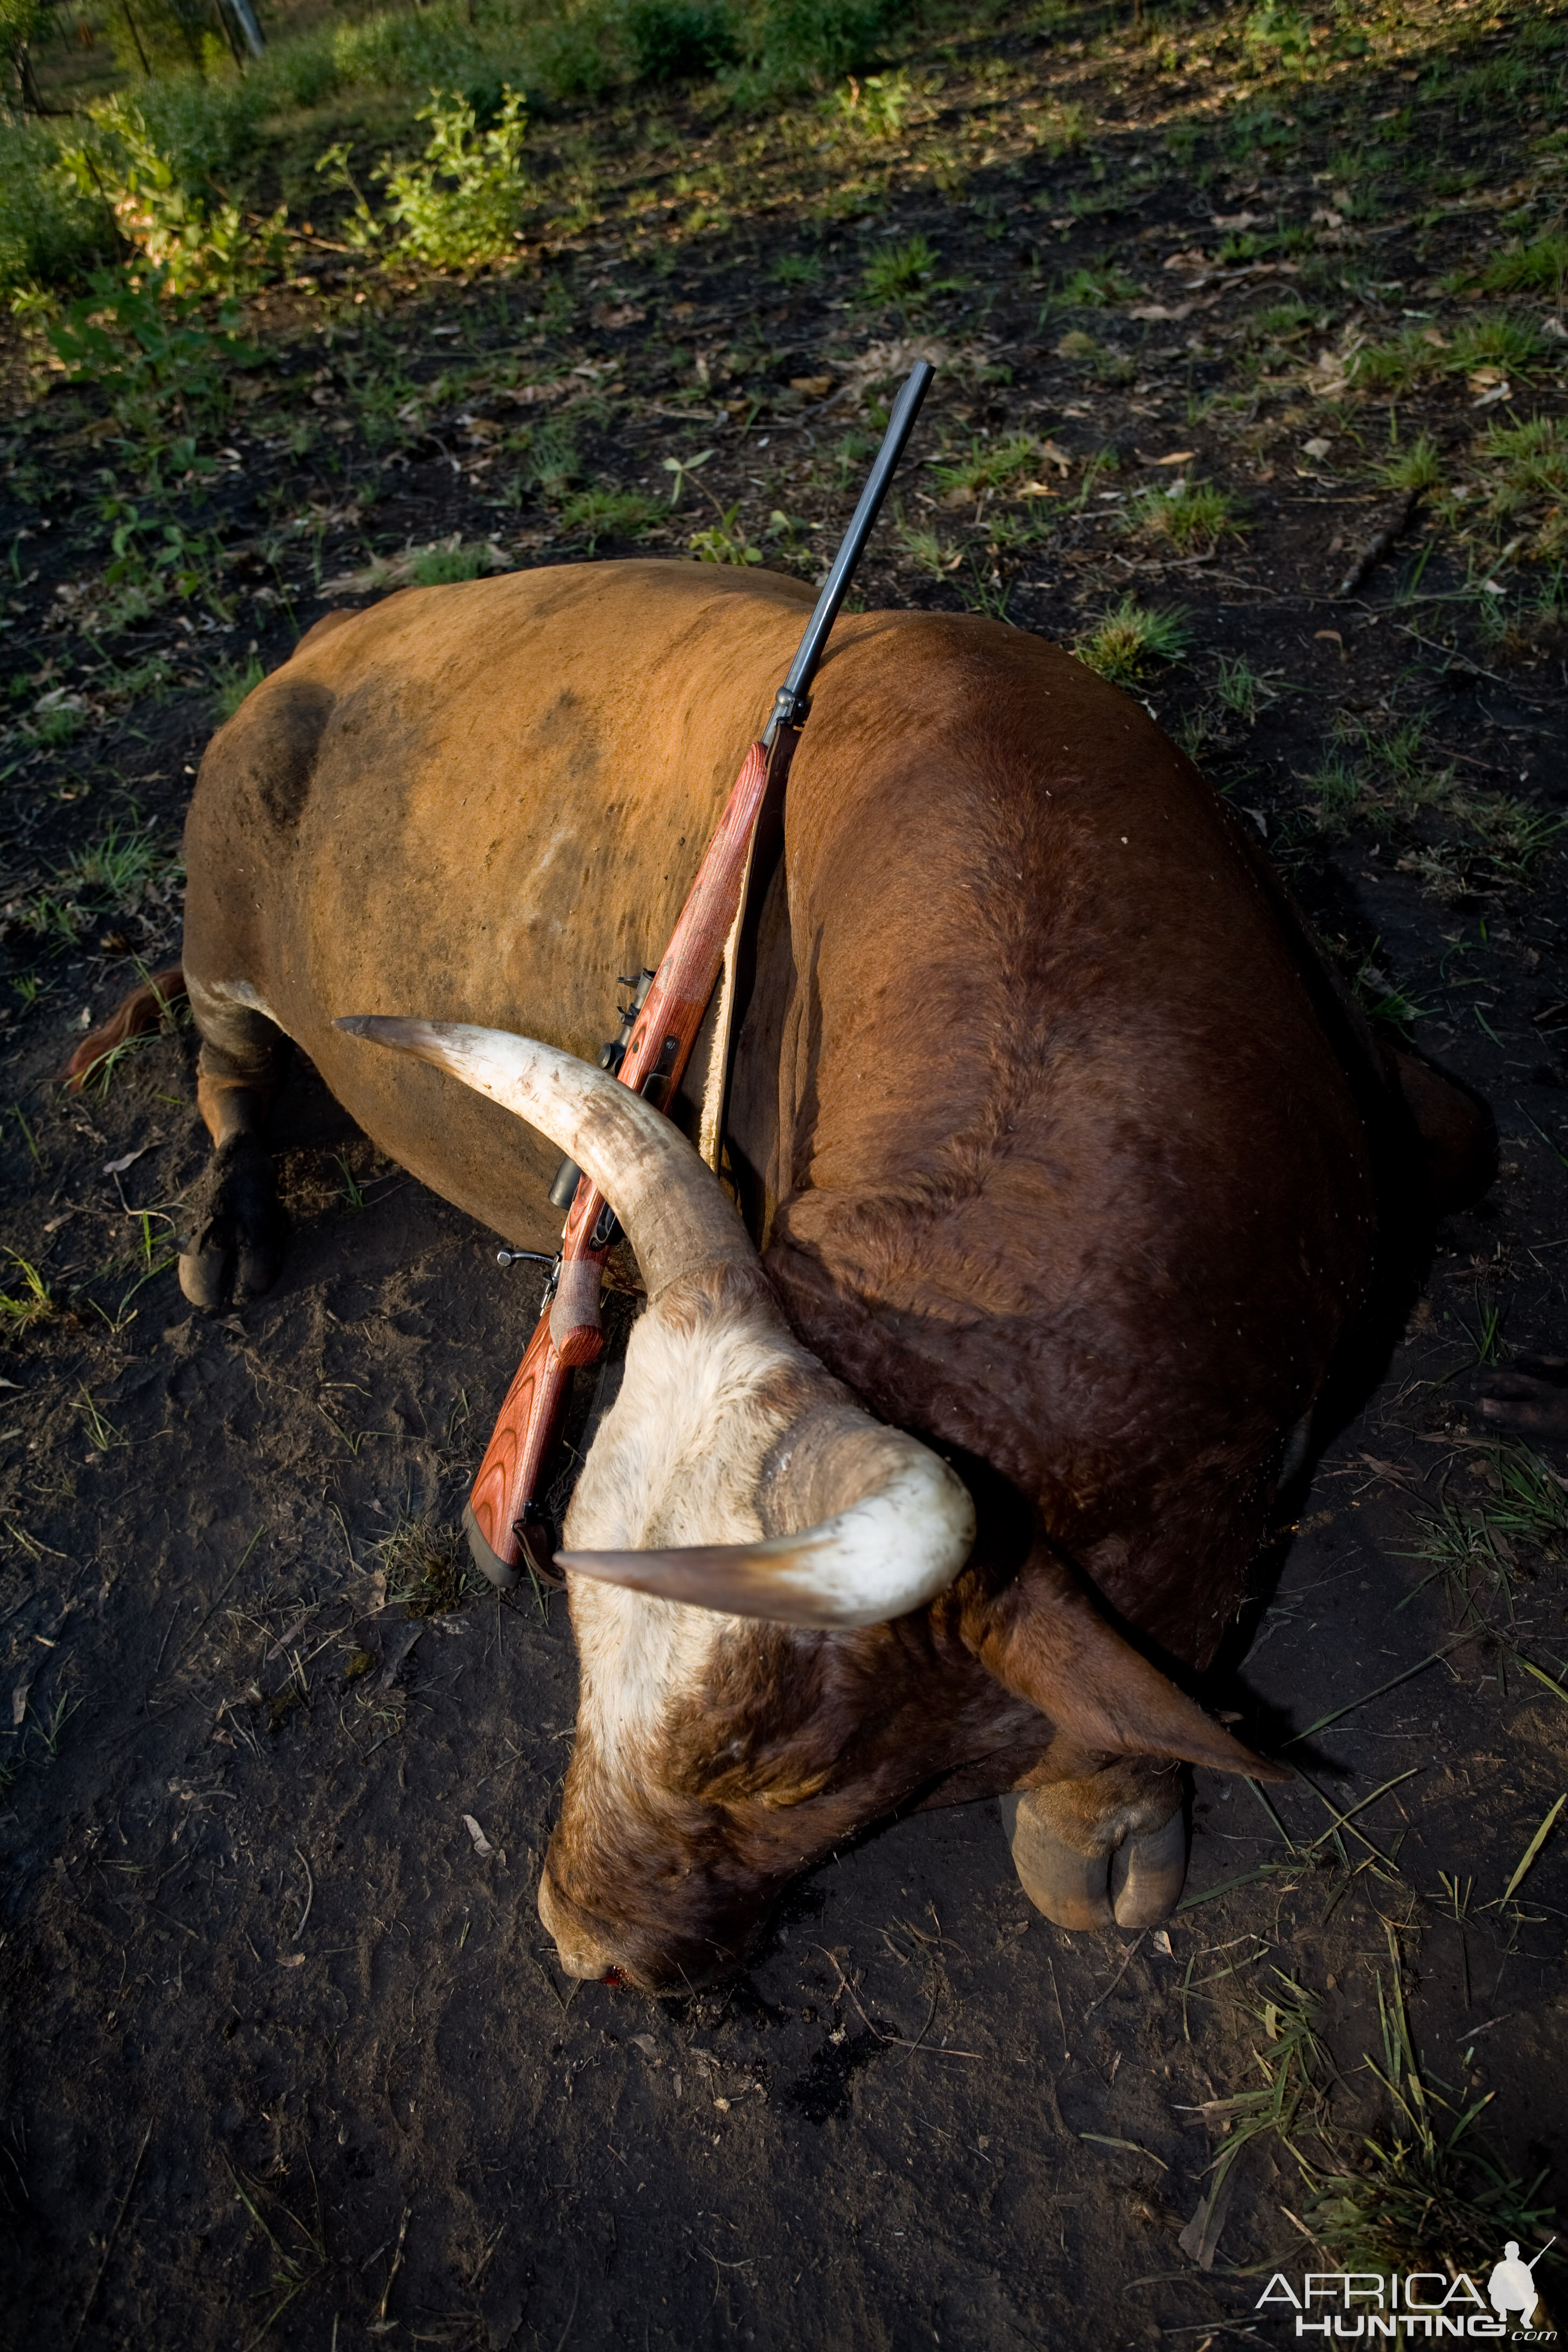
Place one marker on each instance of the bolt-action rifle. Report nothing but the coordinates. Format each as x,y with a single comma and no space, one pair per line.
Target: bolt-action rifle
507,1520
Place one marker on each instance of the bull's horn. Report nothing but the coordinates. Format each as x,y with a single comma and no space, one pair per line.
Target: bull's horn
886,1555
677,1218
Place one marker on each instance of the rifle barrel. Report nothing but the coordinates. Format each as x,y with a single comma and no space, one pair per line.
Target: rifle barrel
790,707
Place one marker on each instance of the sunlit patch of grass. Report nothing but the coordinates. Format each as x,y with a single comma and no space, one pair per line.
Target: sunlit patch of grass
600,514
1131,636
725,540
1193,517
553,463
928,551
441,567
118,866
990,466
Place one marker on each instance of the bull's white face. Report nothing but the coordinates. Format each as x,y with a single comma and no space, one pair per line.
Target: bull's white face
712,1381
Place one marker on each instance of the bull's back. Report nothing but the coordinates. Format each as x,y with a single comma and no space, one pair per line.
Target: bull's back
1067,1166
479,802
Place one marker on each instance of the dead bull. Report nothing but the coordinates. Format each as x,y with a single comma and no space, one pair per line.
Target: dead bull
1066,1155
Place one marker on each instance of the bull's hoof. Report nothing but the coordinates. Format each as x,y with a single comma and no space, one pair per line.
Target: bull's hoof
1136,1886
1148,1874
234,1247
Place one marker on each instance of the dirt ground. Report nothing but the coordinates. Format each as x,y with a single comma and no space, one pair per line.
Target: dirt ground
284,2052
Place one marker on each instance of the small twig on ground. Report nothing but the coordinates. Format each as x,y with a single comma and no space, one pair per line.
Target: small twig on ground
86,2309
397,2261
1121,1971
893,2040
309,1897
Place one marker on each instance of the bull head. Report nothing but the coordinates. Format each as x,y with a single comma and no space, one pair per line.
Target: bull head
735,1479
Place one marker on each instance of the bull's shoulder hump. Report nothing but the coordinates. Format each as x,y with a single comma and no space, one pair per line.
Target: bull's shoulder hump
612,608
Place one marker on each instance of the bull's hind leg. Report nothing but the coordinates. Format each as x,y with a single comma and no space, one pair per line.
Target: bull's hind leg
233,1245
1107,1851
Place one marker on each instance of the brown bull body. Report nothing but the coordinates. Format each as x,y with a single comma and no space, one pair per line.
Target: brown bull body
1063,1154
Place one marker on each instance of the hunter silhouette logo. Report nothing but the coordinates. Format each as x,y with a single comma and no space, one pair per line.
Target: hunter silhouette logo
1345,2304
1510,2290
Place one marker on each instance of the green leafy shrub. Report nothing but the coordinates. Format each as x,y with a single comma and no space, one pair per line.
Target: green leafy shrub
677,40
460,203
725,542
192,244
50,230
877,106
147,343
813,43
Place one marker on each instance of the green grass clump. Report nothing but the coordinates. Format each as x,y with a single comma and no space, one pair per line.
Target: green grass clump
441,567
1336,789
33,1304
1504,340
233,686
426,1566
902,273
1421,2187
1095,289
1193,516
1131,636
609,514
1541,266
552,460
797,269
1417,466
121,866
1531,462
990,466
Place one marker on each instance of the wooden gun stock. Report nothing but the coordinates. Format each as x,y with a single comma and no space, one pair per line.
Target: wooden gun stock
507,1521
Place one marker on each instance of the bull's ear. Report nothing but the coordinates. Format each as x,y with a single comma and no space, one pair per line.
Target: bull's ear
1044,1640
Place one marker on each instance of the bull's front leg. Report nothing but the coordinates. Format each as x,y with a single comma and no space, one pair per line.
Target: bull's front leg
233,1242
1108,1850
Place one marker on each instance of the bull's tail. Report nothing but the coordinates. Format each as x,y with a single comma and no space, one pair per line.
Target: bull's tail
143,1010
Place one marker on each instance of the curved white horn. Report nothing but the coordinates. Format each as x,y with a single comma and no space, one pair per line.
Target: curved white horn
889,1553
677,1217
